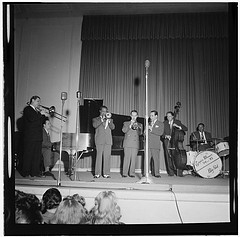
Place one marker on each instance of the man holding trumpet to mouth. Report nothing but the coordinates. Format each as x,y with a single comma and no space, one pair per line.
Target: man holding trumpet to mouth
132,130
103,125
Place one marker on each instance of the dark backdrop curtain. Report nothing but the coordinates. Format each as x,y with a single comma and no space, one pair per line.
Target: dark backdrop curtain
189,63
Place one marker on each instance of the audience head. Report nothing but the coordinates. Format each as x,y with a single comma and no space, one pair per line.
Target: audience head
27,208
69,211
106,210
51,199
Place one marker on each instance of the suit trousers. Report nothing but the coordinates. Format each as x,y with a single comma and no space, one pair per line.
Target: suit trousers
153,153
168,160
103,159
48,157
130,155
32,158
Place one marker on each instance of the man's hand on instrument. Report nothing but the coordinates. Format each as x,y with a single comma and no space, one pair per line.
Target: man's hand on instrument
177,126
168,137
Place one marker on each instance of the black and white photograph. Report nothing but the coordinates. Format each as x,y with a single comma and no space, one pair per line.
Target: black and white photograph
120,118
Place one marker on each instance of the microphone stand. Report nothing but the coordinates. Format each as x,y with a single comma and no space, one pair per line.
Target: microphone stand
77,134
146,179
60,158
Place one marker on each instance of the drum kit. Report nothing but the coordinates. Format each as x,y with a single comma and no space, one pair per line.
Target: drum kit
208,163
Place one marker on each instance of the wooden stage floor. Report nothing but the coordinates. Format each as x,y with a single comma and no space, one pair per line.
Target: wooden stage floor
85,179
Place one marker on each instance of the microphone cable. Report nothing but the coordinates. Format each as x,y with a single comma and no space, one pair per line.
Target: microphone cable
180,217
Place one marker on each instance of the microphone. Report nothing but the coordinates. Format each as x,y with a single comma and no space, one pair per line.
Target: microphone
64,96
80,97
147,63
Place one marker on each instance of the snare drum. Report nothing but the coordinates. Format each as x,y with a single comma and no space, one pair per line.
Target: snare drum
222,148
207,164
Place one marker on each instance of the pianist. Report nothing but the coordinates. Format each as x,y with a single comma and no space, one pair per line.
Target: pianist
47,154
103,125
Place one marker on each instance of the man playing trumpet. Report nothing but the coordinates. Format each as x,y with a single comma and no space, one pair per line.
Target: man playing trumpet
132,130
103,125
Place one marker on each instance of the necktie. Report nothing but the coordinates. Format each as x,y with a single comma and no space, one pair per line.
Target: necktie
202,137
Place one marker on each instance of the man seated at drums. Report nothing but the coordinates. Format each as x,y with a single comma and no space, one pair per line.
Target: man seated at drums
200,140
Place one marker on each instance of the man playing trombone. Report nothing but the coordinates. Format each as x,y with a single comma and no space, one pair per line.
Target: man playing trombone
132,130
103,125
32,136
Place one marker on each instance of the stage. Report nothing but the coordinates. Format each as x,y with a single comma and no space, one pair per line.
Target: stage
188,199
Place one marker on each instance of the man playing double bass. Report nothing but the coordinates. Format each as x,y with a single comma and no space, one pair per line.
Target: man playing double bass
170,126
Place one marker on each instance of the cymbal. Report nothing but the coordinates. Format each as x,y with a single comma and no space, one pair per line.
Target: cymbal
197,141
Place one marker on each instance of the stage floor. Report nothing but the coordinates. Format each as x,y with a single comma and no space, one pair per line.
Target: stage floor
188,183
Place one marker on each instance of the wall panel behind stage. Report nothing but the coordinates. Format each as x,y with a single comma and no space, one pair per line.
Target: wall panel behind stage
47,62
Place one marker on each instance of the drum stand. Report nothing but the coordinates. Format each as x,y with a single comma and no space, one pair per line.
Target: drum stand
224,172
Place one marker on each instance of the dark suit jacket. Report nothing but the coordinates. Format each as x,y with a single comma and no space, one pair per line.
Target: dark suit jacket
102,135
131,138
32,122
155,134
167,129
196,136
46,143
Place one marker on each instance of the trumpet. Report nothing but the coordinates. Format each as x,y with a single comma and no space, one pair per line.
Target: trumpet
108,115
51,110
134,126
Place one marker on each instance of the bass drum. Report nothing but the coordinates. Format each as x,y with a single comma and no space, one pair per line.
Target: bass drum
207,164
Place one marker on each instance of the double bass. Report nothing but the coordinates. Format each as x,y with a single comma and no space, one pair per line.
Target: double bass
179,153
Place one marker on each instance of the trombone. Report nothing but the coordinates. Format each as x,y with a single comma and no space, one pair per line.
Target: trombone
52,111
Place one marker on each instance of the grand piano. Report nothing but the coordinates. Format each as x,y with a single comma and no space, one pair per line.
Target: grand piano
86,144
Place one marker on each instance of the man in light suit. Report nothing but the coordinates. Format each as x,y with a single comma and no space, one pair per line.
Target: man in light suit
155,128
132,130
200,140
103,140
169,124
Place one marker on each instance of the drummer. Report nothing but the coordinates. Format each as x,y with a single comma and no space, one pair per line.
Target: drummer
200,140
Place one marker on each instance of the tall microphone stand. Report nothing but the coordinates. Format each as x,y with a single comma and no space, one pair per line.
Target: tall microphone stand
77,133
63,98
146,179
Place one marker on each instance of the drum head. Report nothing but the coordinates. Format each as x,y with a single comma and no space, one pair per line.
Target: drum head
207,164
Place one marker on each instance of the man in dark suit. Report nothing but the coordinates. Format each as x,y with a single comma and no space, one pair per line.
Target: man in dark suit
200,140
48,155
32,135
132,130
103,140
155,128
169,125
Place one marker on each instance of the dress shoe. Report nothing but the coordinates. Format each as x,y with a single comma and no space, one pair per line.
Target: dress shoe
124,176
96,176
132,176
106,176
158,176
171,175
